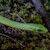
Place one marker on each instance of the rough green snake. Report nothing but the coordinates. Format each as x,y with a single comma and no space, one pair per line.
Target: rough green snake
23,26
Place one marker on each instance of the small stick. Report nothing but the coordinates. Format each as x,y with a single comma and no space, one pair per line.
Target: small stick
7,37
21,19
11,39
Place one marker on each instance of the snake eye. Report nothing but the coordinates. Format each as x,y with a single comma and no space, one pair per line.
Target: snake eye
39,31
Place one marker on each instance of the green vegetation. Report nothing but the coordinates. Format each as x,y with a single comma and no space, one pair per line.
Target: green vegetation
22,27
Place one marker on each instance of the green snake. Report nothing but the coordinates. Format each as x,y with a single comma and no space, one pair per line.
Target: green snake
23,26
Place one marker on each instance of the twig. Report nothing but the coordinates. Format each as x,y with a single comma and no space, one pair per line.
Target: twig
7,37
21,19
11,39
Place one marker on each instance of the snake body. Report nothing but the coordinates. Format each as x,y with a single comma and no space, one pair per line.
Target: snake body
23,26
